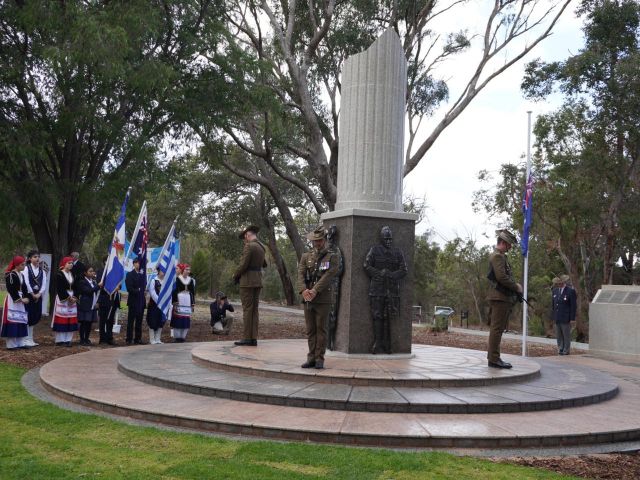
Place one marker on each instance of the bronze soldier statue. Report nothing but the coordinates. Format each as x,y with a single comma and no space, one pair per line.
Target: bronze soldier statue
385,265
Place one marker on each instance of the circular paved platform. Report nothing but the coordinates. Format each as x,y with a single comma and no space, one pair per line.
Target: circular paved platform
176,391
561,387
430,366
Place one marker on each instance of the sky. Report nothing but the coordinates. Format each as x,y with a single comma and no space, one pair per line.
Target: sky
490,132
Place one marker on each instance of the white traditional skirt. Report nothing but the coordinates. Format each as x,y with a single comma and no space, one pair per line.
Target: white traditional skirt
14,319
181,317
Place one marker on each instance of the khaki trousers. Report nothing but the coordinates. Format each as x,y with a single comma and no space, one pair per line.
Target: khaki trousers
316,316
498,320
250,297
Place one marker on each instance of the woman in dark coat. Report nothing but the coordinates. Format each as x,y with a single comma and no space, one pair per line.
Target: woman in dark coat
89,291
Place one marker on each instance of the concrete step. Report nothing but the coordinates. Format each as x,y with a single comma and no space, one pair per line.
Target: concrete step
557,387
93,380
427,365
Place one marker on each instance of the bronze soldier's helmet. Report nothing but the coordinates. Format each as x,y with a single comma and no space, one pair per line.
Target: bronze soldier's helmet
385,233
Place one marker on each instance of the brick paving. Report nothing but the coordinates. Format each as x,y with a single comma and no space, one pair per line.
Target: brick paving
93,379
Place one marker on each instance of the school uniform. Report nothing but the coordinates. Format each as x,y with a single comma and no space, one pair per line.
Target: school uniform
135,282
65,313
36,282
155,319
88,291
183,298
14,314
108,306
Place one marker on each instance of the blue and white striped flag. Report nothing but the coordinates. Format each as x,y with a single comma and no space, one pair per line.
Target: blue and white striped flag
167,264
114,269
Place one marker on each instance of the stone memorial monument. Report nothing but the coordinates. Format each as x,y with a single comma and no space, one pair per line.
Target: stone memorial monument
369,193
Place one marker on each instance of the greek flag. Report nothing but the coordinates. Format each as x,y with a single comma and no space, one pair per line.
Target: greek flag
114,269
167,264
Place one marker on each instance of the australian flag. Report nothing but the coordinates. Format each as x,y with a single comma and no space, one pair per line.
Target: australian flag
167,264
114,269
527,212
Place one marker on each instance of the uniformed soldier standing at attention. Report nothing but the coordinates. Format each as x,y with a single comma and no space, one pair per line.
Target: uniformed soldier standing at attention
249,276
502,296
315,272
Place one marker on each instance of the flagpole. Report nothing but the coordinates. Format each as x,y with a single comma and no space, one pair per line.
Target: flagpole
135,232
104,270
525,309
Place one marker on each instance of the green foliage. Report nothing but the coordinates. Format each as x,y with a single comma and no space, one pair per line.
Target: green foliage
87,92
46,442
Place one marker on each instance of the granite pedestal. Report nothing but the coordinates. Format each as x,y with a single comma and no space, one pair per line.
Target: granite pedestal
358,231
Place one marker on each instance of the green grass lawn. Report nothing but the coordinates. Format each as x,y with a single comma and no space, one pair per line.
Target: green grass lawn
42,441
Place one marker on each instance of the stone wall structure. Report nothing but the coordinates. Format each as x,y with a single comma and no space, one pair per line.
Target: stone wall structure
369,191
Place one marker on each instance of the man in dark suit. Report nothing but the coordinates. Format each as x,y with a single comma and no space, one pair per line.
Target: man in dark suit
564,312
249,276
77,270
134,282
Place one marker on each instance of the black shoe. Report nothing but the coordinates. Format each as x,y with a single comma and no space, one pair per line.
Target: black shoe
68,344
254,343
319,365
139,342
247,343
308,364
110,342
59,344
500,364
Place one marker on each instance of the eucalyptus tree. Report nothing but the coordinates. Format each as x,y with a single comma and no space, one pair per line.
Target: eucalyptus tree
300,48
88,92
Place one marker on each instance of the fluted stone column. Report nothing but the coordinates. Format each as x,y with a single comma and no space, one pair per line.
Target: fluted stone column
369,193
372,127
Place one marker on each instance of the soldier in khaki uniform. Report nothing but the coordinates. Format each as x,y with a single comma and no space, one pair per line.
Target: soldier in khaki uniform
315,272
249,276
501,297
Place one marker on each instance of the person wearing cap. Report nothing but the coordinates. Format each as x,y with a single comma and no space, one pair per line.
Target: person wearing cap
184,300
564,312
220,321
249,276
135,283
36,281
315,274
502,297
14,314
65,310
